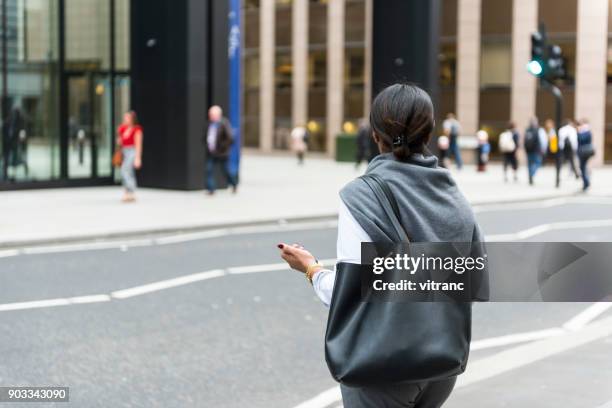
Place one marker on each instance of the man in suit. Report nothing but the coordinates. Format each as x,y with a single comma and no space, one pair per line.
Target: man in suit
218,141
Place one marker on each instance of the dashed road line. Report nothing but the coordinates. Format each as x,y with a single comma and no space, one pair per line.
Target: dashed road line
151,287
166,284
38,304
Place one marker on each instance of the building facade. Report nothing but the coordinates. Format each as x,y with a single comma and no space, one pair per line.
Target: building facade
306,62
65,79
70,68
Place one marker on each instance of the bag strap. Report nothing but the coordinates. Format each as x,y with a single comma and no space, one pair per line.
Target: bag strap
385,196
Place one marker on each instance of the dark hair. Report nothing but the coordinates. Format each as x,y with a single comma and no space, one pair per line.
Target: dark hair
402,116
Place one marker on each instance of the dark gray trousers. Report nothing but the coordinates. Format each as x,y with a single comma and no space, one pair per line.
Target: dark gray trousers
414,395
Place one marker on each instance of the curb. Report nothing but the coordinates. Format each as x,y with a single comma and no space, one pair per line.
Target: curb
159,232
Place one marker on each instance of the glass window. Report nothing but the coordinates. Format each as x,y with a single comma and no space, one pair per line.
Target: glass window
448,27
317,101
122,35
30,148
283,24
282,99
87,34
251,27
250,60
448,64
496,64
496,17
447,60
355,21
559,16
317,69
317,24
354,83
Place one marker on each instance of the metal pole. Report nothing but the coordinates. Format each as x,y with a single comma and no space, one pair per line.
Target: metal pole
558,105
112,82
5,129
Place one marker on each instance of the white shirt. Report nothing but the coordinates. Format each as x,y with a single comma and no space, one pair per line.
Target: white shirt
348,250
568,133
298,144
449,124
211,137
543,140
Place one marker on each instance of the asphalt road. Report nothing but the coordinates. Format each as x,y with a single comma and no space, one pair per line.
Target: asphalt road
253,337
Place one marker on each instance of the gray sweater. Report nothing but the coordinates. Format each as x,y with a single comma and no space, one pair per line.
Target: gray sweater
432,208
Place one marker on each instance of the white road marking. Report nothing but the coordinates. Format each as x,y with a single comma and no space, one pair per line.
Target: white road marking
527,354
85,246
586,316
153,286
527,205
515,338
546,203
9,252
606,405
323,399
37,304
166,284
281,266
190,236
169,239
238,270
89,299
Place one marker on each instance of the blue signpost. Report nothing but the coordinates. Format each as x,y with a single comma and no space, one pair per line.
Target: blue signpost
234,42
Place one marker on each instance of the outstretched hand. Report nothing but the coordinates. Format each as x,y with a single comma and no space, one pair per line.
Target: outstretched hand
297,257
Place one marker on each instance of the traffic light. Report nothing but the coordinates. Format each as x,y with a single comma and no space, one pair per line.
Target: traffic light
538,48
555,62
547,60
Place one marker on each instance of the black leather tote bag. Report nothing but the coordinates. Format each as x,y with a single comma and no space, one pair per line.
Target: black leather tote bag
380,343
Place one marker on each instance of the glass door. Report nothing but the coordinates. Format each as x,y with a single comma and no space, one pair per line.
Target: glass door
80,127
89,126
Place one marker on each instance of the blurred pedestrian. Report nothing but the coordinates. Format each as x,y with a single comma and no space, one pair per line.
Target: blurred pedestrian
535,143
553,149
17,140
483,150
443,146
568,145
508,146
452,129
586,150
218,141
298,137
129,140
366,148
402,120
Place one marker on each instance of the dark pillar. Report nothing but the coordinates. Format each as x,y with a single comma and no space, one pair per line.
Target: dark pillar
179,68
405,43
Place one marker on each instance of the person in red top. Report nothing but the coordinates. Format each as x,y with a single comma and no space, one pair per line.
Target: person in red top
129,138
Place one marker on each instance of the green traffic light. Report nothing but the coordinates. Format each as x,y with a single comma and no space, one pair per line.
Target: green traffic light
535,68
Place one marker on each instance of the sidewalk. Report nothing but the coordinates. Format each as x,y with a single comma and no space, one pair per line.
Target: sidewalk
272,188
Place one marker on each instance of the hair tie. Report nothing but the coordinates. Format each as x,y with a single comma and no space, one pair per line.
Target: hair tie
398,141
